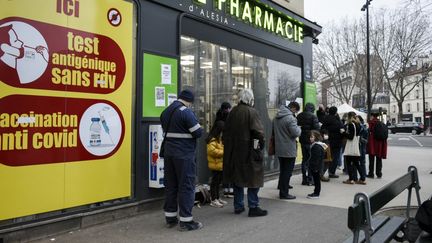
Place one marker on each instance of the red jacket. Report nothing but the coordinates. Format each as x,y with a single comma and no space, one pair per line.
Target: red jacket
375,147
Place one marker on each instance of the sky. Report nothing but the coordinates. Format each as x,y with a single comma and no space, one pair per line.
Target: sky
324,11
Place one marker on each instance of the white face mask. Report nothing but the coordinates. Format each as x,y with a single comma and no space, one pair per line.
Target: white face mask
325,137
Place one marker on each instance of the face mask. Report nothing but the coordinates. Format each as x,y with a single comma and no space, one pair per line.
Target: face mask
325,137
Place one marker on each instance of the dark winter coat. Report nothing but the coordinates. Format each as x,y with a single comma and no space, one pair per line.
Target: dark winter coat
307,121
317,156
243,165
333,124
376,147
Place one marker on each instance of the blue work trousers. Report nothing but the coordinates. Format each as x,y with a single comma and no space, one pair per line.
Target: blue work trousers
252,196
179,183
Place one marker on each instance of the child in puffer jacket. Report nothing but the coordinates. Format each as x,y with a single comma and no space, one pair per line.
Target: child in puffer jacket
215,162
316,161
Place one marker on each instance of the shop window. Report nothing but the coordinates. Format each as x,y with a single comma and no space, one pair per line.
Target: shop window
216,73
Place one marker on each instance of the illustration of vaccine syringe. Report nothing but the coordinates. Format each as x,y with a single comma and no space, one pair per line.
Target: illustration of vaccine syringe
105,126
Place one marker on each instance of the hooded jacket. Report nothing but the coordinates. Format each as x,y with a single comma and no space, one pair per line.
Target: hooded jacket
308,121
317,156
286,131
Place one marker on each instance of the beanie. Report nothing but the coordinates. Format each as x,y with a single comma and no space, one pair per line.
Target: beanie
333,110
225,106
187,95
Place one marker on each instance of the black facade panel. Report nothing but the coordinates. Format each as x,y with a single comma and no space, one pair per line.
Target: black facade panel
159,29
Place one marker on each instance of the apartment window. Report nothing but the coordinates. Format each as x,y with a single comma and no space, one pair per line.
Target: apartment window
408,107
394,109
427,106
417,93
418,106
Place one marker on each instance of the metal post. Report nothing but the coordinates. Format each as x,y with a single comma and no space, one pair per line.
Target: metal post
368,74
424,106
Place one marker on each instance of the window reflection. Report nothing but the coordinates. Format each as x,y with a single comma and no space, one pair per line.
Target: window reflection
216,74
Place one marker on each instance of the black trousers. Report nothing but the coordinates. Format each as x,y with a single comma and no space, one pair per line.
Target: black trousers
214,185
286,169
378,168
317,182
353,164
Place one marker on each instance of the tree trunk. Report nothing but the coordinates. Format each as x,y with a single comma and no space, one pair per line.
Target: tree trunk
400,110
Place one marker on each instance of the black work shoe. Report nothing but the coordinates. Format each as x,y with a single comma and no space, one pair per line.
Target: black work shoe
287,197
333,176
239,210
370,176
257,212
191,225
289,187
171,222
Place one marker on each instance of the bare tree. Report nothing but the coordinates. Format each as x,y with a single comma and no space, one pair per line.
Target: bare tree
398,38
337,56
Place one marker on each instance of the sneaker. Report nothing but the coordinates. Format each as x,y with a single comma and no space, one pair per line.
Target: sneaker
257,212
228,195
215,203
333,176
324,179
239,210
305,183
361,182
191,225
351,182
222,201
313,196
287,197
171,222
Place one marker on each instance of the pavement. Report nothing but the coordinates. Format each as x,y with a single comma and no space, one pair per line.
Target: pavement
300,220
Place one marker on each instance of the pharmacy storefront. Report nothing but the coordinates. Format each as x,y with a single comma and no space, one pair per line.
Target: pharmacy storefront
226,45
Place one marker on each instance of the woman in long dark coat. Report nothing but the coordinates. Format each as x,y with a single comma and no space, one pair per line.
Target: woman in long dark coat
243,140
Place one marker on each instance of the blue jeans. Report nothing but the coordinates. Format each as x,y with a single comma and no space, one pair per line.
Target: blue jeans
252,197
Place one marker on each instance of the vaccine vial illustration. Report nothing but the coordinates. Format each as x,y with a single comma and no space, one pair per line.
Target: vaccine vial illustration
95,132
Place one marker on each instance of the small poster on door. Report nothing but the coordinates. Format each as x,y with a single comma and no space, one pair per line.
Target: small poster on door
159,96
165,74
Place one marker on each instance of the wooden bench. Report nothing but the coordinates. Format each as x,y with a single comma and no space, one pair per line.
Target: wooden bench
366,226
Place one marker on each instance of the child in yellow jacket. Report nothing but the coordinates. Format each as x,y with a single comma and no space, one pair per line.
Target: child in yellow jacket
215,162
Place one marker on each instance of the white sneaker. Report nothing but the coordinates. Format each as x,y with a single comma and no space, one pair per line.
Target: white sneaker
222,201
216,204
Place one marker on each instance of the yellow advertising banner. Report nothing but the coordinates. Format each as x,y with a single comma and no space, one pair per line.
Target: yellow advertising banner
66,78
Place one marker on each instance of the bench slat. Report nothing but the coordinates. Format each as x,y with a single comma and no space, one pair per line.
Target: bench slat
388,230
376,223
384,195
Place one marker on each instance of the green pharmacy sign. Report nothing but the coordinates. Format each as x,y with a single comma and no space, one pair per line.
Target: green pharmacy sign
262,16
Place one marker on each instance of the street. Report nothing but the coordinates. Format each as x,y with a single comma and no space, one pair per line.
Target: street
407,139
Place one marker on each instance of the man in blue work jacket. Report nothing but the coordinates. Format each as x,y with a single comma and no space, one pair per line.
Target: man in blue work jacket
182,129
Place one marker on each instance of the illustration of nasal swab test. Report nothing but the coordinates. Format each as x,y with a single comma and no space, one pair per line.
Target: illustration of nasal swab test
104,124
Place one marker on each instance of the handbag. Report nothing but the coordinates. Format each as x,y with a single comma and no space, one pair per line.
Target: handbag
352,146
271,147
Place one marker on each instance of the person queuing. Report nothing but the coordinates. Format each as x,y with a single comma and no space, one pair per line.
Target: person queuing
243,141
352,149
364,135
327,156
215,151
377,149
221,115
286,131
181,130
315,162
308,121
333,124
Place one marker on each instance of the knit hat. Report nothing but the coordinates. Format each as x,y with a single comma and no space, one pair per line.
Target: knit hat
333,110
187,95
225,106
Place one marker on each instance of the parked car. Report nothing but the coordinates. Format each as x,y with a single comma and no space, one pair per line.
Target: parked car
407,127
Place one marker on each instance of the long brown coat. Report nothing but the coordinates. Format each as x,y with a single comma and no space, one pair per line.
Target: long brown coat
243,165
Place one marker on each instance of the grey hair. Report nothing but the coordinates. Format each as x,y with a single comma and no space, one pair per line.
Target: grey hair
246,96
